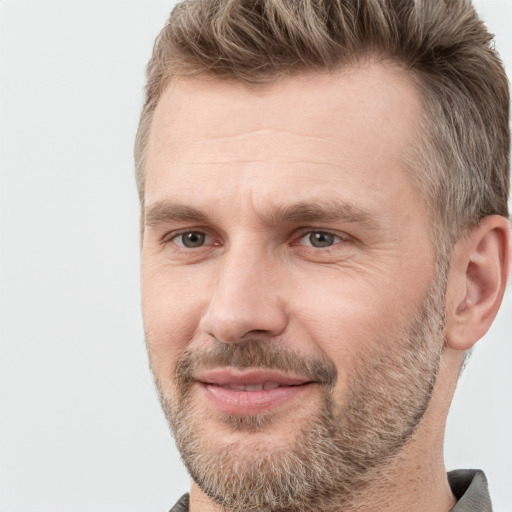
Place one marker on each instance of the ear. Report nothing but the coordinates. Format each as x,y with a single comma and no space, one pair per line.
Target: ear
479,271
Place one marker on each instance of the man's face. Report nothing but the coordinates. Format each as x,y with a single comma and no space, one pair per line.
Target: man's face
290,315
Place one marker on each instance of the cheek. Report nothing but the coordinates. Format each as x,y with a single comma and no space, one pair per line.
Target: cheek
350,318
171,308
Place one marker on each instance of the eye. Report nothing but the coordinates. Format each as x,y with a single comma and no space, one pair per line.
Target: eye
319,239
191,239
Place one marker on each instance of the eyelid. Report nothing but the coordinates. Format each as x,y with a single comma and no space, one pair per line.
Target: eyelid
341,235
170,236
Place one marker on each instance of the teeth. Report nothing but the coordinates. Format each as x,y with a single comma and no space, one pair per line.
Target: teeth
235,387
252,387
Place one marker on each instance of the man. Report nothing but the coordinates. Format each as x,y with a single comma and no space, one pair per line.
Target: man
324,235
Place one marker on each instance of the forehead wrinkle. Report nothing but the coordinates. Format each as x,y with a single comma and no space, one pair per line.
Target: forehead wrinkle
243,135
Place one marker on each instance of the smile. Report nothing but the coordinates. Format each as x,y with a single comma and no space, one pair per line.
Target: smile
252,392
252,387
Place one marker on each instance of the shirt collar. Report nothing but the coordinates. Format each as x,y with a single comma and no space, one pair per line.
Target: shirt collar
469,486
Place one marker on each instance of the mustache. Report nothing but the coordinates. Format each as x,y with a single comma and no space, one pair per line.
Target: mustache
255,354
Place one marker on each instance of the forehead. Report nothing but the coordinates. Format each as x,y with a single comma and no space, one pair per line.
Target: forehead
359,119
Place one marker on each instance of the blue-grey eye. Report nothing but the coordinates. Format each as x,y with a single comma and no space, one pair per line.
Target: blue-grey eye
321,239
191,239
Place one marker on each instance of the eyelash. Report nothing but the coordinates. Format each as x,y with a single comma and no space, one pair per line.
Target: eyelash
171,237
340,238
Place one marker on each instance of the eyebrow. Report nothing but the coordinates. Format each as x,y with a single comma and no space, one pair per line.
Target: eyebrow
303,212
314,212
165,211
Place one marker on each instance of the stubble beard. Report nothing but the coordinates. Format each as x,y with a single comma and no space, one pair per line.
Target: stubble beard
340,451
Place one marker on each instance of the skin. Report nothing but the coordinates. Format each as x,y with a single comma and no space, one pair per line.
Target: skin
241,155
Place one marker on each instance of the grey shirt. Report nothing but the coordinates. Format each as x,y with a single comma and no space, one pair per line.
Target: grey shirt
469,486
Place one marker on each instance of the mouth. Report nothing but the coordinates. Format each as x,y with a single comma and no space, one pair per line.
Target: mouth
266,386
231,391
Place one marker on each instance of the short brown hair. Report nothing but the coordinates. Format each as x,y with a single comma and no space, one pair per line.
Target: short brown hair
461,159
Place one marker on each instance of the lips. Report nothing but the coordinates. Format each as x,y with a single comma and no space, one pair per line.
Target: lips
250,392
252,387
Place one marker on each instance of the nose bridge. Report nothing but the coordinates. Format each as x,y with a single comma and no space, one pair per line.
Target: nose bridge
246,296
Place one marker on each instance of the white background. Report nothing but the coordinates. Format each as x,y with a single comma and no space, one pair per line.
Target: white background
80,427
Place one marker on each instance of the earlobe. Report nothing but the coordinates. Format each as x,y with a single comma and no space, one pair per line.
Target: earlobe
478,277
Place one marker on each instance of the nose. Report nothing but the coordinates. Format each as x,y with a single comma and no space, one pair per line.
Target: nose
246,299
